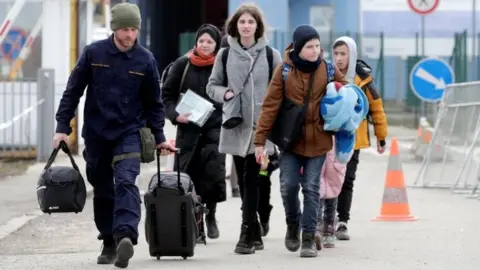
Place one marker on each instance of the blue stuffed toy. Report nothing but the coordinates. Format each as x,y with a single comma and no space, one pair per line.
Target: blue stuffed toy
343,108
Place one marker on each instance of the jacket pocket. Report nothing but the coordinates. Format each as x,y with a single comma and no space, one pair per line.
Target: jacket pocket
102,74
135,78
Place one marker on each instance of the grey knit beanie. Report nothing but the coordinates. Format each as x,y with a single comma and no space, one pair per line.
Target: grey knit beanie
125,15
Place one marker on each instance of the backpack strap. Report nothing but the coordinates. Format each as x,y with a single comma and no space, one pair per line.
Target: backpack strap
330,71
185,70
285,70
270,62
224,62
165,74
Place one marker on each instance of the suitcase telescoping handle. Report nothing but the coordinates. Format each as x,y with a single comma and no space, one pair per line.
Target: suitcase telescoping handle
177,157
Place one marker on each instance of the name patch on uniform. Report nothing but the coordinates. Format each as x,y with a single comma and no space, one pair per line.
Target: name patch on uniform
136,73
100,65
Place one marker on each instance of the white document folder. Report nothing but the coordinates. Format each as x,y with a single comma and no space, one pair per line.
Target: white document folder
200,108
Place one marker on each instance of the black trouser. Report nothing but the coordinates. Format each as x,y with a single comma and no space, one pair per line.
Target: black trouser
249,182
265,185
345,197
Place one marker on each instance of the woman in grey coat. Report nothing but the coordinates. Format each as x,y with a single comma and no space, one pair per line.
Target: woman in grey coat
239,79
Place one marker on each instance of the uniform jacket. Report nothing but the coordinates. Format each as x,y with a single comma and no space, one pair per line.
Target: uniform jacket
314,141
123,93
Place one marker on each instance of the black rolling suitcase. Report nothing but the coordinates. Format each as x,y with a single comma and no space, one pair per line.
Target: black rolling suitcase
170,225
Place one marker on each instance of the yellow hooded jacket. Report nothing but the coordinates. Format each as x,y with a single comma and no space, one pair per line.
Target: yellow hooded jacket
359,73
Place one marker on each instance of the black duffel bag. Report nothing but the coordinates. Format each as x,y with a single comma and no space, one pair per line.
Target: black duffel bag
61,189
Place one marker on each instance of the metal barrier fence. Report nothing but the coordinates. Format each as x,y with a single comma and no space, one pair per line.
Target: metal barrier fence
17,119
456,130
27,111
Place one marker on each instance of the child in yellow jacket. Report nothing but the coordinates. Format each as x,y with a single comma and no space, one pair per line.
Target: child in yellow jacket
358,72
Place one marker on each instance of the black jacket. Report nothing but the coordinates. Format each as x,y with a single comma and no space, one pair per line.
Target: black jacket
199,156
123,93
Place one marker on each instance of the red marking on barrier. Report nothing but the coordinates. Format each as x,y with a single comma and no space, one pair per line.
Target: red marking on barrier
29,42
4,27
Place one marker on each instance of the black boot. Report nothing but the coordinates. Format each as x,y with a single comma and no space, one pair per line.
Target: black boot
245,244
124,252
212,227
257,237
308,245
292,237
264,220
108,253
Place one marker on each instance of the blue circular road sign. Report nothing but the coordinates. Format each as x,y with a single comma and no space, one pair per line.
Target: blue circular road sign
13,43
429,77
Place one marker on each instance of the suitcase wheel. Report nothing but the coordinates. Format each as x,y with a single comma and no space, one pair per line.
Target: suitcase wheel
184,257
158,258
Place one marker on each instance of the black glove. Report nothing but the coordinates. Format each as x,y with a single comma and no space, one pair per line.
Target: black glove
362,69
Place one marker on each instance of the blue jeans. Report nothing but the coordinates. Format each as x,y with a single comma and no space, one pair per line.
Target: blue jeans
290,182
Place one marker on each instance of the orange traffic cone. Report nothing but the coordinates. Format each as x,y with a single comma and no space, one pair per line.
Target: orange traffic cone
394,202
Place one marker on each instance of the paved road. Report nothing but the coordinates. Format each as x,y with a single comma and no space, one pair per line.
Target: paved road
444,237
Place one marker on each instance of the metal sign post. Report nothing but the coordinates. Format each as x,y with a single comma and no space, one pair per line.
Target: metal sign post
423,8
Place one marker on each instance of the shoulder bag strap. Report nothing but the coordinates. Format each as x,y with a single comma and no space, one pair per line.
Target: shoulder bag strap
248,77
251,70
309,90
285,71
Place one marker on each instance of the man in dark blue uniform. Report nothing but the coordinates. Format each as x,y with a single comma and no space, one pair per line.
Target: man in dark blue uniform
123,96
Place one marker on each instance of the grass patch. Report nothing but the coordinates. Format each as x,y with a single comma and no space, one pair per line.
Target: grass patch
14,167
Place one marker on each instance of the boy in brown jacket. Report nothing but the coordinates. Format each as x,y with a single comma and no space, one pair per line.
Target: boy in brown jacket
307,74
